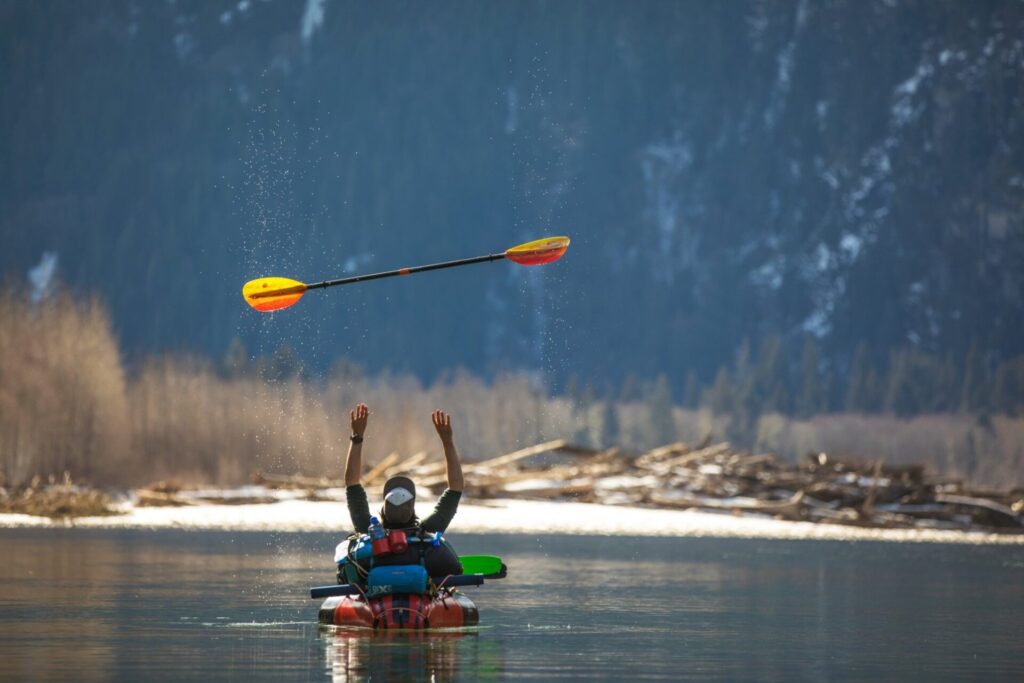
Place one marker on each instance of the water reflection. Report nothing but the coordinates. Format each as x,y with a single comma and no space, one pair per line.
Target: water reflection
360,655
136,605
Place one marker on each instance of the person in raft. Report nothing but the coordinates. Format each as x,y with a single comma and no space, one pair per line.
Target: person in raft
398,511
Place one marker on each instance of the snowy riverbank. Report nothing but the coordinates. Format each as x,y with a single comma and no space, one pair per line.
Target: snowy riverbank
507,516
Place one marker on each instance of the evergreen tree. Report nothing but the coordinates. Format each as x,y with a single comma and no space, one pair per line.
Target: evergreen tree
345,372
586,433
691,394
769,393
830,393
858,389
630,389
720,399
283,365
236,359
948,386
609,422
1008,394
811,399
660,412
900,397
742,381
976,392
918,383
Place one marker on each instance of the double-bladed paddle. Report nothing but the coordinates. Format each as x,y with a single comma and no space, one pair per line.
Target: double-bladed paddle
274,293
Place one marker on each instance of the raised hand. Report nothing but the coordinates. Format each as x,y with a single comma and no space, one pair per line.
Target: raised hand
443,424
360,414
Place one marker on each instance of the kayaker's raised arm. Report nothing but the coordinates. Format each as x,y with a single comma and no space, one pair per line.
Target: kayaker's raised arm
443,424
355,495
354,460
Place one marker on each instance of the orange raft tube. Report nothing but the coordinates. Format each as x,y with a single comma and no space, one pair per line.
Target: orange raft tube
446,609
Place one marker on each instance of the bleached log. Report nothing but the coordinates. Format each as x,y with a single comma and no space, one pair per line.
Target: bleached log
512,457
1001,512
666,466
576,487
407,465
791,505
757,460
380,468
581,451
662,452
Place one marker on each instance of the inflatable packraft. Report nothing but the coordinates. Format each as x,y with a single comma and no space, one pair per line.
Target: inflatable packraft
386,591
444,609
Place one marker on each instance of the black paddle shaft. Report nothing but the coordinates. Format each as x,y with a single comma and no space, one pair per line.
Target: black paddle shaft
405,271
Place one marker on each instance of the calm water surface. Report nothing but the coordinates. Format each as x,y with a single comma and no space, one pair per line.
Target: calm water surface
147,605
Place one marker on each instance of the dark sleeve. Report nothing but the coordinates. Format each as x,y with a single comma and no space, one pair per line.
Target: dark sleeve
441,517
358,508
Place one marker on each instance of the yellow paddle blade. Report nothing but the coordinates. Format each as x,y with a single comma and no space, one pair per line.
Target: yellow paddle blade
538,252
272,293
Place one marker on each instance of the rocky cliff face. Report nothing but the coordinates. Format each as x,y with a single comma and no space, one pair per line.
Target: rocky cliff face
849,170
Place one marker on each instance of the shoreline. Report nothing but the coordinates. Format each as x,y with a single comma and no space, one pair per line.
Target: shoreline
509,516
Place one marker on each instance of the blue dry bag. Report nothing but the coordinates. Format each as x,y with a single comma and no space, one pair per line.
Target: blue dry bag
402,578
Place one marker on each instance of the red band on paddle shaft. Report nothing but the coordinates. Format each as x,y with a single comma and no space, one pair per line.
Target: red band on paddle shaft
403,271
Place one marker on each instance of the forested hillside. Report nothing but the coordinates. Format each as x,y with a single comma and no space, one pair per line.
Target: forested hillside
829,185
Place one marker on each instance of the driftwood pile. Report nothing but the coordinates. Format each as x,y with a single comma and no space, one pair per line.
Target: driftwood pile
821,488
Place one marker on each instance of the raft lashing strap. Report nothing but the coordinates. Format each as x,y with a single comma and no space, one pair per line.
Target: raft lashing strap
349,589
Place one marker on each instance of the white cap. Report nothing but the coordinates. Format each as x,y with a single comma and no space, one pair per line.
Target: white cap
398,496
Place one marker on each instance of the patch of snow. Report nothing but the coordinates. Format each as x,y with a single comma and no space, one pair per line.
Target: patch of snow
851,245
756,26
821,112
513,517
353,263
627,482
184,44
990,47
784,69
817,323
41,276
312,19
802,12
822,257
662,164
903,111
768,274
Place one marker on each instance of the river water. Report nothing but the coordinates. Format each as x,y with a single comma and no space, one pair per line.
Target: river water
126,605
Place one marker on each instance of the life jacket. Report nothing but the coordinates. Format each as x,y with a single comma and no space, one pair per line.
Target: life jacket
354,556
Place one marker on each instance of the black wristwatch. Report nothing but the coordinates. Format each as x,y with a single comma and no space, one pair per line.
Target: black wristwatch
355,438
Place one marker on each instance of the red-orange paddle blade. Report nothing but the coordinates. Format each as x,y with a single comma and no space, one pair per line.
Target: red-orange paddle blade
538,252
272,293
